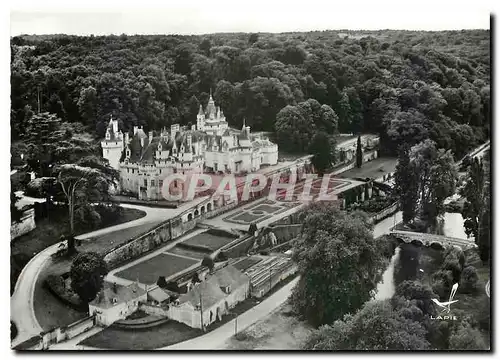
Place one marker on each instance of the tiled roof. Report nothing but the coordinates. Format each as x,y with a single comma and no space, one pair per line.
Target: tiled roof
210,289
146,153
210,292
159,294
104,298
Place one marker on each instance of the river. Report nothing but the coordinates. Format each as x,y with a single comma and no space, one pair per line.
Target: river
452,226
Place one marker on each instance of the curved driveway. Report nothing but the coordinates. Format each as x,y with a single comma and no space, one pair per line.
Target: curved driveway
21,301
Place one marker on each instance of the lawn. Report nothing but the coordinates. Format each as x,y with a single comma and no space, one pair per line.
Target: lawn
148,271
192,253
106,242
211,241
245,218
47,233
162,335
50,311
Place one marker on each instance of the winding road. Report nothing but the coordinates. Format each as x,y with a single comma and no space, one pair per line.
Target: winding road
21,301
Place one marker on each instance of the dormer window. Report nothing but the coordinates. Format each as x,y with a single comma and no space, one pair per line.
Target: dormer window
108,135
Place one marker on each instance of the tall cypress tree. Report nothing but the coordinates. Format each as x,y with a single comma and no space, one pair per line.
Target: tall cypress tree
406,184
474,193
359,153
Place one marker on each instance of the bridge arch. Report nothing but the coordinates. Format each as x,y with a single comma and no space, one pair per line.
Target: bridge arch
436,245
417,242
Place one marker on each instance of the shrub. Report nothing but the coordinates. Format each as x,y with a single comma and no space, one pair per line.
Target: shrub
57,286
452,264
418,225
456,252
467,338
469,280
13,330
208,262
442,281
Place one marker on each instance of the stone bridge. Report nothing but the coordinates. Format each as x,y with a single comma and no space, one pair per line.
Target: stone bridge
431,239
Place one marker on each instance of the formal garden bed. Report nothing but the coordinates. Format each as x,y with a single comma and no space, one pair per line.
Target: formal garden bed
148,271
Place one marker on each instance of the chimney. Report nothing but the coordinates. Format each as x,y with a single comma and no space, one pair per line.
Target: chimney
135,129
193,127
189,142
127,139
150,136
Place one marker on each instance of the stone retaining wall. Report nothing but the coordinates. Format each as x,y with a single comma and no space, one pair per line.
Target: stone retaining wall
26,224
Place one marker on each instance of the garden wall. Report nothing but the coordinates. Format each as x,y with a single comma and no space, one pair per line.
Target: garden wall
154,310
56,335
239,249
160,235
344,168
386,212
26,224
285,232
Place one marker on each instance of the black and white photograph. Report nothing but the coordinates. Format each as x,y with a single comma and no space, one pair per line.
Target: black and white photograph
280,176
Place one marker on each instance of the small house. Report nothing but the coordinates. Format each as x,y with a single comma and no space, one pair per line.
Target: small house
116,302
211,299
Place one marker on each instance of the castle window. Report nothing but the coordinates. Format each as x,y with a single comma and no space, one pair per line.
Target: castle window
160,183
152,183
146,182
107,151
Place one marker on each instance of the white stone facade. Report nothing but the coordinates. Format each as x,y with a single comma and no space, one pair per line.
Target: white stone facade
144,161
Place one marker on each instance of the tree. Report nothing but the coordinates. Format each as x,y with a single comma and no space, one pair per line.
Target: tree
467,338
337,259
85,182
436,178
474,193
87,275
406,184
297,125
359,153
253,38
419,293
469,279
322,153
208,262
377,326
252,228
87,105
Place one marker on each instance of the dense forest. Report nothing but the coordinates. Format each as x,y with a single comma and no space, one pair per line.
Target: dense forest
405,85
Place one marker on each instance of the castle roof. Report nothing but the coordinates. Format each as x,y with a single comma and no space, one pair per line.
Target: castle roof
146,152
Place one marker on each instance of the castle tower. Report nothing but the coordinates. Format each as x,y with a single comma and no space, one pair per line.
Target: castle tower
112,145
211,107
200,119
